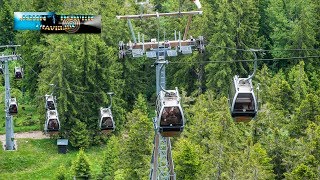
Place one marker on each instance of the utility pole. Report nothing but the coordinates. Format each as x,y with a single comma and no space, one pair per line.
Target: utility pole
10,145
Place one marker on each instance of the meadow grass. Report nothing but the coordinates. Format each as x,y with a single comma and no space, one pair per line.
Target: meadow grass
39,159
27,119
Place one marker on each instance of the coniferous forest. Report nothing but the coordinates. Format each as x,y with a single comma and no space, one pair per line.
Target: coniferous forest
281,142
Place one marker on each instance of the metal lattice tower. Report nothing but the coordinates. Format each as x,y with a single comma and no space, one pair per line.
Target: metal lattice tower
10,145
162,166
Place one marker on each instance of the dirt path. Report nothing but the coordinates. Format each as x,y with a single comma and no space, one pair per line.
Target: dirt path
31,135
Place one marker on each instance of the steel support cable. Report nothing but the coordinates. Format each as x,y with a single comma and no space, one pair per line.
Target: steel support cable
246,60
74,91
261,50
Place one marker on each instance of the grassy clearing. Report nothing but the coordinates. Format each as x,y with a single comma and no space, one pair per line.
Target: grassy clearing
27,119
39,159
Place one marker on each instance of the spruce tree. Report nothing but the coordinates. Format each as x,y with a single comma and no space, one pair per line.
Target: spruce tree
218,75
6,21
138,145
112,158
79,135
186,157
81,166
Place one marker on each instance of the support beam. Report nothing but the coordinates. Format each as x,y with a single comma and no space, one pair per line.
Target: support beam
162,44
187,28
9,125
153,175
7,46
132,32
170,161
140,16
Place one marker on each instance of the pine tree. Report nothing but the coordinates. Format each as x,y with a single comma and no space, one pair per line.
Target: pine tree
79,135
81,166
293,27
62,174
299,83
6,21
219,74
246,33
301,172
186,156
111,158
309,110
138,145
256,163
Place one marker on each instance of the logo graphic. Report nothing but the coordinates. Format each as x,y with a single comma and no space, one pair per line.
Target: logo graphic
49,22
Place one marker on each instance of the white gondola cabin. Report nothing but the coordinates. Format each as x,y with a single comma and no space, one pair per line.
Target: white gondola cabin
50,103
170,113
52,124
243,103
13,106
18,72
106,120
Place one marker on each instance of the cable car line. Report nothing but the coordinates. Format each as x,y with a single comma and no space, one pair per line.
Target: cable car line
245,60
261,50
52,124
61,88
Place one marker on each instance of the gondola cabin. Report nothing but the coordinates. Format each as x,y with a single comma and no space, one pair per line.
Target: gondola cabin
52,125
106,120
50,103
13,106
243,103
170,113
18,72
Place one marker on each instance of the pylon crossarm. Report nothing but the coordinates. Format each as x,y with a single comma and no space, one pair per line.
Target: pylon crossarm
8,46
141,16
9,57
162,44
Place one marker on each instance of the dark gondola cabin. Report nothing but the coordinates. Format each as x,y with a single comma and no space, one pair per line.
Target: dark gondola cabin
243,103
18,72
50,104
170,113
13,106
52,123
106,120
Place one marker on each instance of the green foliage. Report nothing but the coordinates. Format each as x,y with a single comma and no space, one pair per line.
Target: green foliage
187,159
111,158
293,27
79,135
39,159
282,141
309,110
257,164
218,75
137,147
61,175
81,166
301,172
6,21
